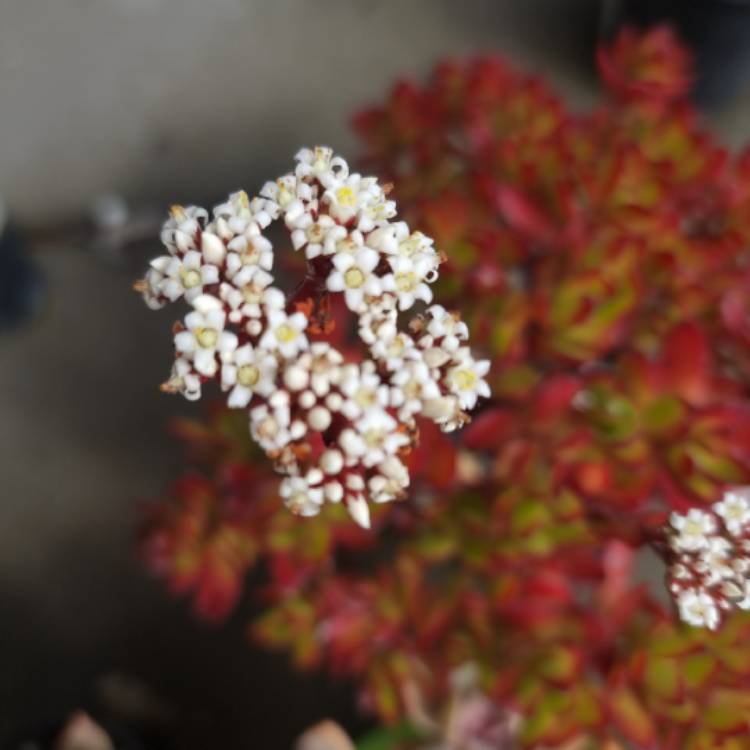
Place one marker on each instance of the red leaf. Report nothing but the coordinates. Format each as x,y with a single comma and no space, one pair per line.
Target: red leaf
522,215
489,429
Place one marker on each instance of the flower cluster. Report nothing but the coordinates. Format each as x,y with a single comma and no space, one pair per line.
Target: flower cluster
711,569
338,430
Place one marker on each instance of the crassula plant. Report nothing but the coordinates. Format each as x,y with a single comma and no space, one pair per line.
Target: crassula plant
581,547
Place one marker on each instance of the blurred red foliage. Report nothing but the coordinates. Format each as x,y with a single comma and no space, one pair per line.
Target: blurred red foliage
602,261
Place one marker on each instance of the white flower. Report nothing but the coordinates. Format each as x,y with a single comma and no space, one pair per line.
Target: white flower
379,321
179,232
445,327
317,237
734,509
299,497
285,333
151,286
362,389
249,251
466,379
250,299
248,371
412,388
394,351
270,426
380,435
354,275
395,239
444,411
346,197
698,608
346,242
205,336
407,280
715,560
325,368
184,379
187,275
693,530
320,163
390,481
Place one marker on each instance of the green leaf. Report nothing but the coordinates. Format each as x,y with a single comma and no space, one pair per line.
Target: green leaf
663,677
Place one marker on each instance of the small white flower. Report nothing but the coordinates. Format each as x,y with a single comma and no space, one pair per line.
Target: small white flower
407,280
354,275
693,530
184,379
380,435
394,351
151,286
412,388
362,389
346,197
396,239
320,164
188,275
325,368
181,229
715,560
445,327
270,426
248,371
444,411
252,298
698,608
205,337
318,237
734,509
249,251
300,497
390,481
379,321
466,379
285,333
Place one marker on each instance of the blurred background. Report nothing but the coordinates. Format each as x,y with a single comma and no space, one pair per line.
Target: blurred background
110,110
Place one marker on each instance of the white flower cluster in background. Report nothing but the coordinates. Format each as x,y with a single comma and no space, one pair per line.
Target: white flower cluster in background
338,430
710,572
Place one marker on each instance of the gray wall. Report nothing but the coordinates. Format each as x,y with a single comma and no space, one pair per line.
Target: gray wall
186,98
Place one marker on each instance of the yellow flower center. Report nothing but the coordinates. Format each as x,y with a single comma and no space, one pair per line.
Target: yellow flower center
347,245
396,347
410,245
345,196
373,437
248,375
250,256
405,282
692,528
735,512
354,278
285,333
285,197
364,398
206,337
465,379
251,294
190,278
315,233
